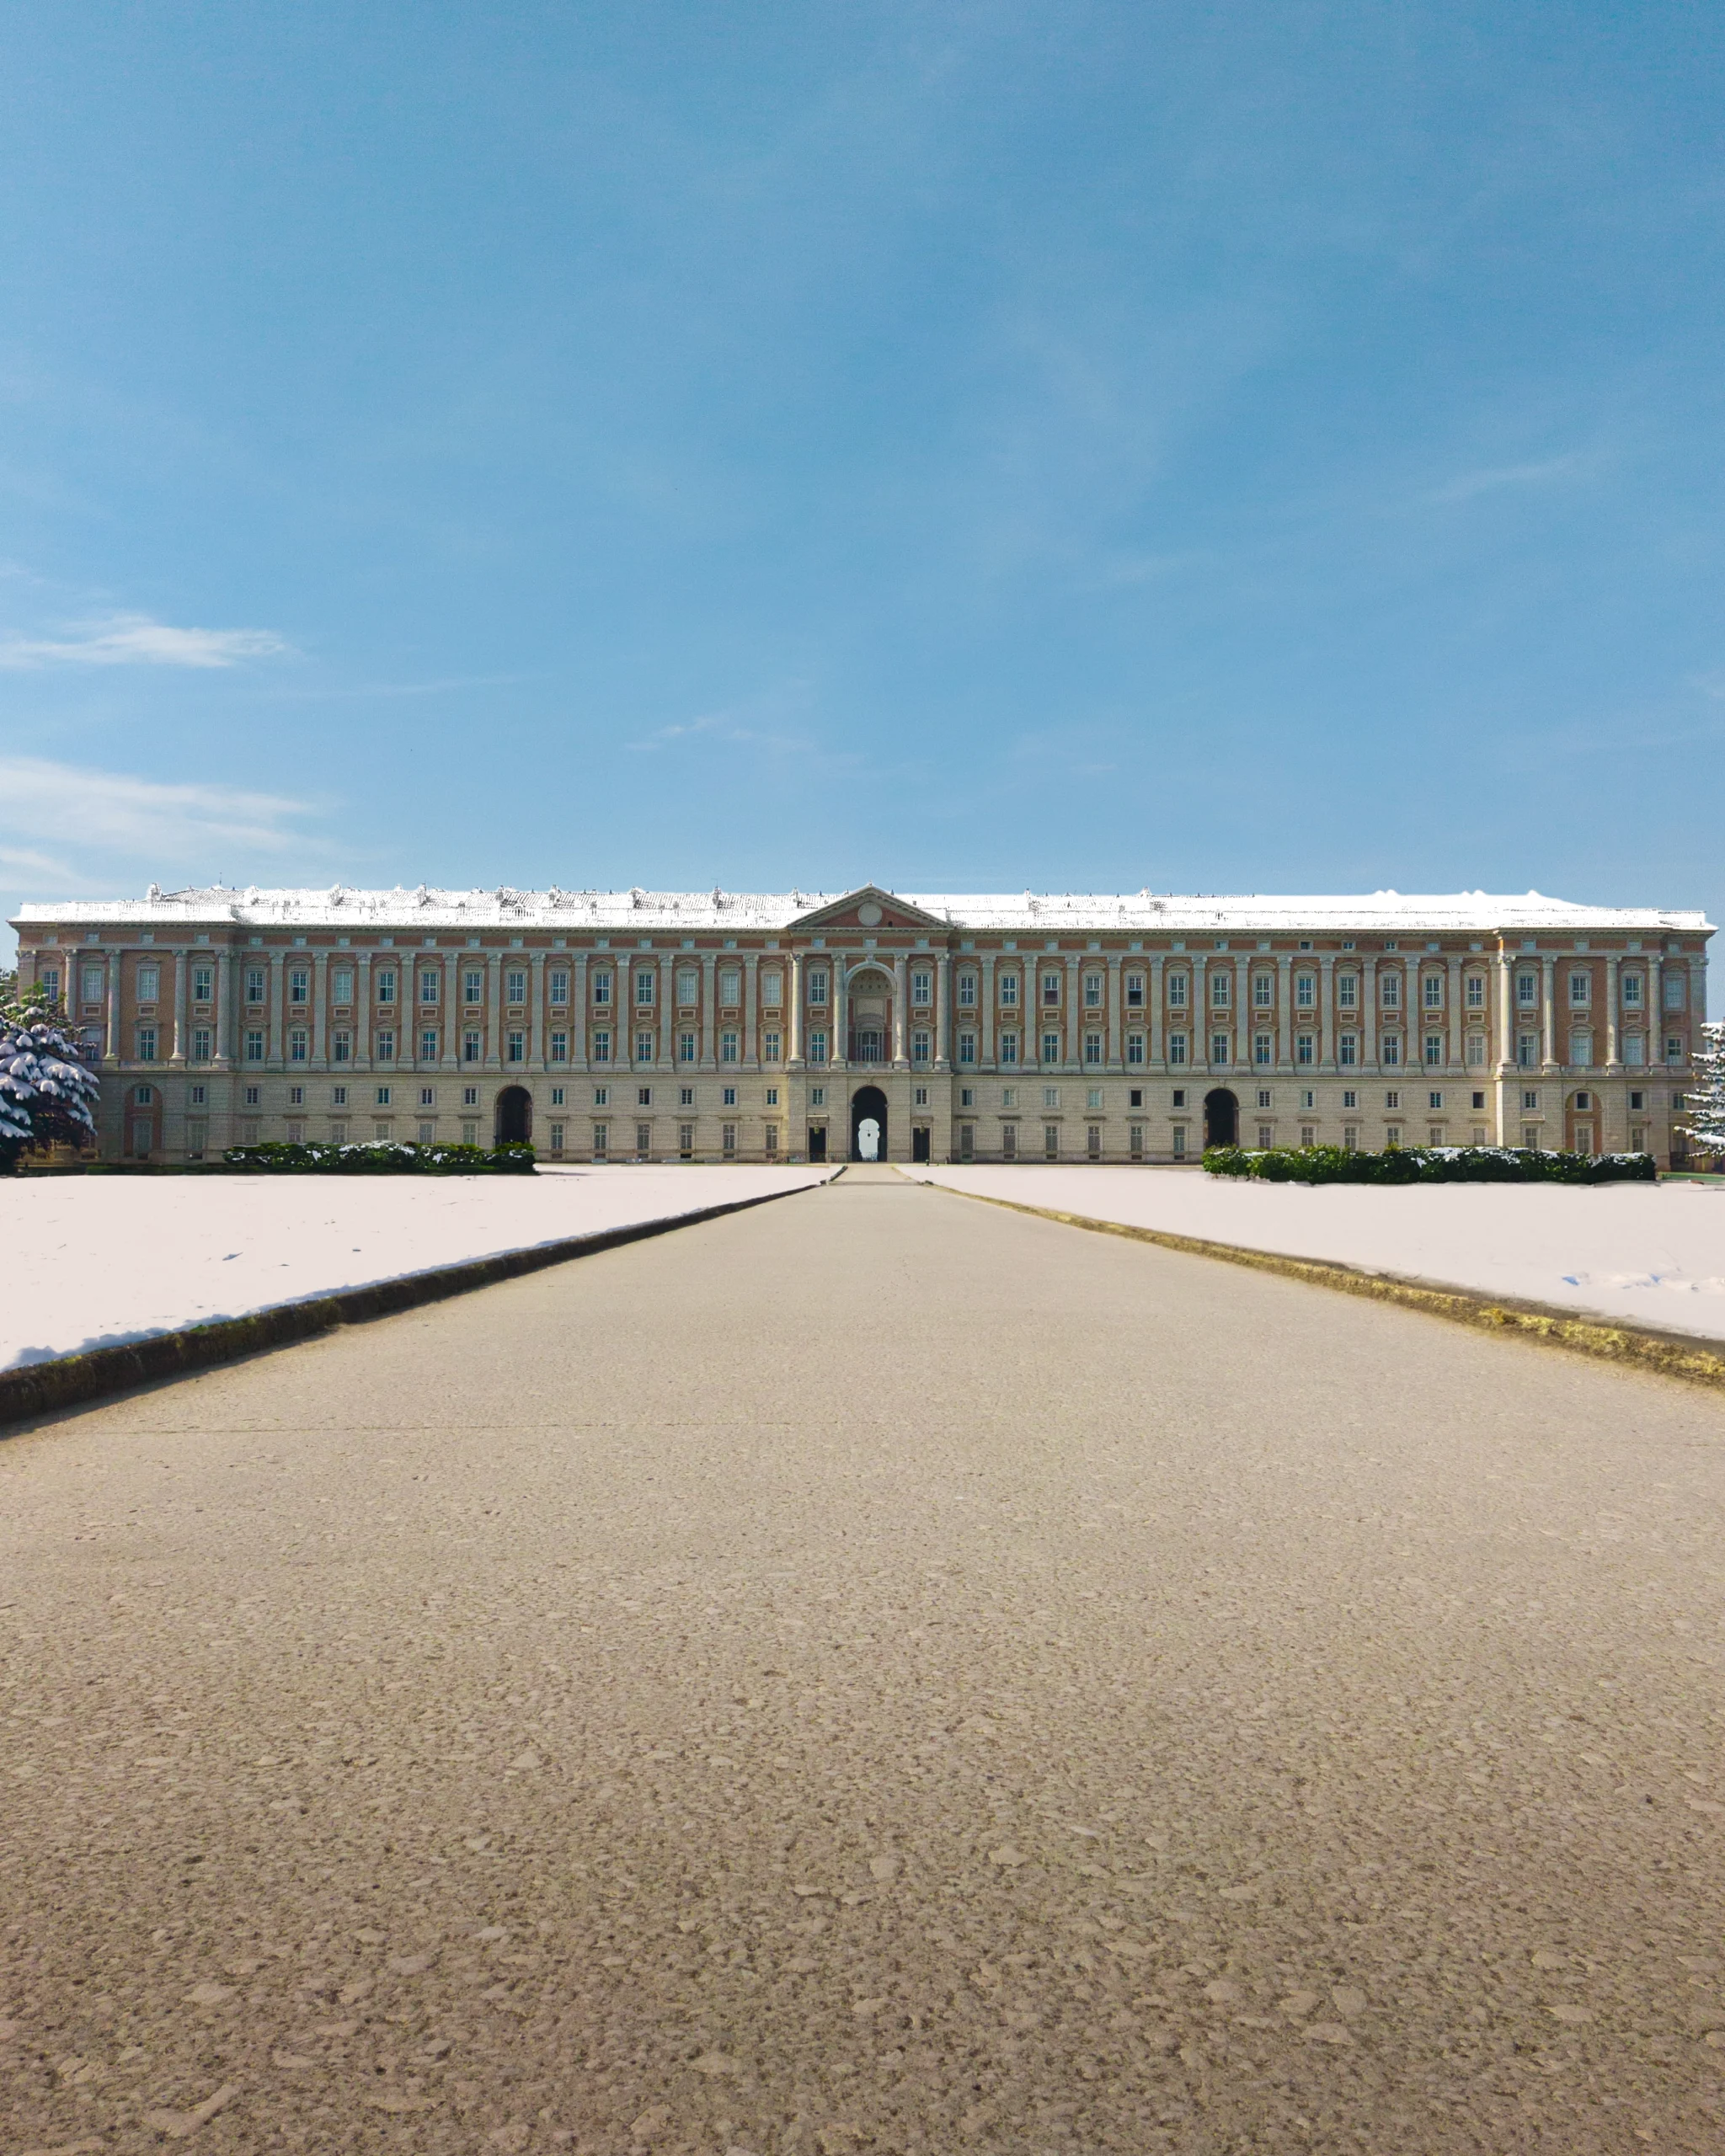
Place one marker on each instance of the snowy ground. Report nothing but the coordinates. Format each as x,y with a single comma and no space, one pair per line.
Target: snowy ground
91,1261
1652,1254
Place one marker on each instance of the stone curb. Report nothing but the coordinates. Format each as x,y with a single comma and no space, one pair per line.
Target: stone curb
1673,1355
42,1388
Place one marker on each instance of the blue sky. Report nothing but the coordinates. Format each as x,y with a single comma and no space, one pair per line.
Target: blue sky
1081,447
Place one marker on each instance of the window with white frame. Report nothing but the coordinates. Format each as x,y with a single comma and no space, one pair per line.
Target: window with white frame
1347,1048
967,992
921,1046
730,1046
1632,991
817,1044
1177,1048
1304,1047
431,987
1347,991
94,980
1527,991
1434,1049
1475,991
299,1045
1051,1047
817,983
1262,1048
1134,1050
1390,991
559,1047
1434,991
644,1048
1675,995
1390,1050
645,990
967,1050
299,984
601,1045
1581,989
1009,1050
1093,991
1304,991
730,987
599,983
1179,990
688,987
1093,1049
203,984
1009,990
560,987
772,988
1263,990
1221,991
427,1047
1134,992
685,1047
1050,988
514,1046
922,987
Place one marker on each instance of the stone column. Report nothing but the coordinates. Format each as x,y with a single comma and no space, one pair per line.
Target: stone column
1115,1038
362,1011
536,1011
177,1053
1549,1028
493,1011
1327,1012
1506,1009
709,984
986,1013
1458,1051
577,1012
1156,1019
1285,1012
319,1058
1072,1032
112,1044
1613,1059
275,1047
751,1011
943,1021
840,1009
795,1014
452,1006
224,1015
900,1019
1200,1015
1370,1018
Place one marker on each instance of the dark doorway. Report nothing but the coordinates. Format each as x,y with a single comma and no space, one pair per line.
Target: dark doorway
817,1141
1221,1118
869,1108
919,1142
514,1115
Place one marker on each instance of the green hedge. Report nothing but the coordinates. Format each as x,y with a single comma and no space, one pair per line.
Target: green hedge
1429,1163
389,1159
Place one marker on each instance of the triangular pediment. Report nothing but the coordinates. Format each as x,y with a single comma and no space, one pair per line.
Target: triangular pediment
869,908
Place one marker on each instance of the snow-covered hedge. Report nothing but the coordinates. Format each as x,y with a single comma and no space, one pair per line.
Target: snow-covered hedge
389,1159
1429,1163
48,1092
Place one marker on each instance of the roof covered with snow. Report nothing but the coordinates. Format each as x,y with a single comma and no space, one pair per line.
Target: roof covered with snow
1392,912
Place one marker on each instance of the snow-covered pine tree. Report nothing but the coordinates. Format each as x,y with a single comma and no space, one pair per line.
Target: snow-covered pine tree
1704,1103
48,1092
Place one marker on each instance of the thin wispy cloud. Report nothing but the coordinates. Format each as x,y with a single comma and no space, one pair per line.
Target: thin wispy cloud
1547,471
718,726
138,640
101,816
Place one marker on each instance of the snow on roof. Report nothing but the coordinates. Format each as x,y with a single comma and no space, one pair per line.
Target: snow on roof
1454,913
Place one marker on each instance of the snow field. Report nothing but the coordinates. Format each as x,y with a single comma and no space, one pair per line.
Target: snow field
1650,1254
93,1261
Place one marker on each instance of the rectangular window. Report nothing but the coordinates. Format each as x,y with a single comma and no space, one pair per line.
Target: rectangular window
1050,988
1261,1047
1304,991
342,1044
967,1050
1135,1050
470,1045
472,986
1134,1140
203,983
298,1045
1581,989
688,987
922,1048
817,1045
728,1097
817,983
685,1047
1527,991
728,1138
1093,991
384,985
601,1046
299,985
147,1044
729,1048
1674,1050
601,988
254,1048
1177,1048
1527,1050
1051,1047
1051,1141
557,1131
1475,1050
1631,991
1304,1045
601,1135
1134,992
1390,1054
770,1132
1092,1141
1347,991
1176,991
337,1097
1475,991
1093,1049
1009,991
560,987
967,992
430,987
1580,1050
559,1048
644,1048
1220,1046
1221,991
1180,1141
643,990
1434,1049
644,1138
1009,1141
514,985
772,1043
686,1140
1391,992
921,988
1050,1096
1673,991
730,987
94,983
967,1141
1009,1050
1348,1049
149,984
427,1047
772,992
1264,991
557,1092
1434,991
1635,1049
200,1044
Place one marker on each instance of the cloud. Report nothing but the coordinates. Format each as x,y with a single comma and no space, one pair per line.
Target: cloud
111,815
135,640
1549,472
719,726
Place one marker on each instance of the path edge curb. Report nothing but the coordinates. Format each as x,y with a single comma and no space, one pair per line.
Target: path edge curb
1668,1353
43,1389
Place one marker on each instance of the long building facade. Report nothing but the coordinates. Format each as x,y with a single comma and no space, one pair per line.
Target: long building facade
637,1025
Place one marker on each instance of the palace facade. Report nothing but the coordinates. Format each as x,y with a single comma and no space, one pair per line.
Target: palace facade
641,1025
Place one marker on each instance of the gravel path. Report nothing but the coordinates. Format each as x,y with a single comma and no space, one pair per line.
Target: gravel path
875,1674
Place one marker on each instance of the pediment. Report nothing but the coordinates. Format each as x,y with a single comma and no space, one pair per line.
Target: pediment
869,908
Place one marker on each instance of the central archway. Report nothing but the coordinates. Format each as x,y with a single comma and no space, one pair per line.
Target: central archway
868,1105
514,1115
1221,1118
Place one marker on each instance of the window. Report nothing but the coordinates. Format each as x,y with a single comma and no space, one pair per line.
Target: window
644,1137
921,1096
1479,1100
601,988
772,1043
382,1096
1177,991
1581,990
386,1044
1305,992
1350,1099
1093,991
685,1047
559,1048
817,1044
686,1140
1476,990
149,984
299,1045
1434,1049
601,1046
560,987
1673,991
601,1097
1674,1050
428,1046
1308,1134
1530,1102
770,1133
1580,1050
1475,1050
383,982
556,1096
1391,992
1009,990
1434,991
1633,992
1635,1049
1050,988
1221,991
1051,1047
203,983
1264,991
967,992
921,1048
342,1045
92,985
1393,1140
557,1131
1637,1103
1134,1140
299,985
470,1045
1009,1141
1135,1050
147,1044
1177,1048
1304,1048
643,991
1050,1096
1347,991
688,987
515,985
1009,1050
817,983
773,990
967,1050
1261,1047
1266,1137
967,1096
730,987
1179,1141
1527,1050
201,1045
601,1135
922,987
727,1098
1434,1100
1093,1098
1092,1141
1527,991
967,1141
1348,1049
472,986
430,987
1390,1054
1051,1141
1009,1096
1134,992
470,1097
254,1048
253,1096
644,1048
1219,1045
1179,1097
1093,1049
730,1047
728,1138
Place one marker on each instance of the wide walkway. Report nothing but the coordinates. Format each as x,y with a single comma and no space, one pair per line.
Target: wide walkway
877,1673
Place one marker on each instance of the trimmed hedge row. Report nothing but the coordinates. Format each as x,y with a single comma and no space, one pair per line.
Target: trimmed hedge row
388,1159
1429,1163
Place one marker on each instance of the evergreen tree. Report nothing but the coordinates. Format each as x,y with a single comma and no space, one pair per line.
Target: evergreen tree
1704,1121
48,1092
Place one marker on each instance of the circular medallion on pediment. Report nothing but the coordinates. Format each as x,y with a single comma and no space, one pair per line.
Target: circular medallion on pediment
870,913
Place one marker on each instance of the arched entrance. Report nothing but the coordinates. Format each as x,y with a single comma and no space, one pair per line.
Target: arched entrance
1221,1118
514,1115
868,1124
